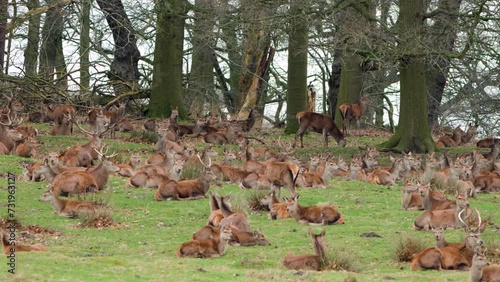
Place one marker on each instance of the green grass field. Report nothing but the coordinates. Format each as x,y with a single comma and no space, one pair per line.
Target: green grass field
142,246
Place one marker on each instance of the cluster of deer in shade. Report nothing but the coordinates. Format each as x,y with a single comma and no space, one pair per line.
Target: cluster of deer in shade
86,168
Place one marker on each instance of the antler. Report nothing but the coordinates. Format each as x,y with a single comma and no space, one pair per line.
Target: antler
102,154
12,123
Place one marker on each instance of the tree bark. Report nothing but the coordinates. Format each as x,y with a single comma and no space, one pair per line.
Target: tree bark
297,65
166,91
123,73
51,38
85,47
31,51
201,86
4,14
442,36
412,133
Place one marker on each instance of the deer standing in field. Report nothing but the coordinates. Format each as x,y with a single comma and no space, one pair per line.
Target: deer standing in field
186,189
481,270
67,208
277,209
309,262
410,198
352,112
450,217
206,248
9,247
313,215
319,123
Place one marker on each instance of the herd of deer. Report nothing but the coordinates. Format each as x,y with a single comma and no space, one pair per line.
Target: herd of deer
86,168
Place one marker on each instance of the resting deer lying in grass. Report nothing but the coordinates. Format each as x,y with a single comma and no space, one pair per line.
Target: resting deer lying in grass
277,210
450,255
207,248
186,189
450,217
67,208
255,181
128,169
316,180
215,216
245,238
434,199
482,271
233,219
28,148
30,171
309,262
313,215
9,247
410,198
382,176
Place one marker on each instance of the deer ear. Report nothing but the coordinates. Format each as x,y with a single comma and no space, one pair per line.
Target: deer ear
444,226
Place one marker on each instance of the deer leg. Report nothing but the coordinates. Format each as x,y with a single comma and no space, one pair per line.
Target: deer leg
325,137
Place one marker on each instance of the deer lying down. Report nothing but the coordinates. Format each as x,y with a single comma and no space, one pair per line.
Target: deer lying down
482,271
450,217
309,262
410,198
234,219
210,248
313,215
240,238
215,216
7,248
67,208
277,210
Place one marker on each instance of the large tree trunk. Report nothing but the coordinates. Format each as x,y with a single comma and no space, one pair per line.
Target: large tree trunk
31,51
334,83
3,31
51,41
123,73
85,47
166,91
412,133
297,65
443,34
201,87
351,83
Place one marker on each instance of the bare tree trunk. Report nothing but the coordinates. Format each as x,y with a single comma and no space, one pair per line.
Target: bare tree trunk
124,73
3,31
85,46
51,41
31,51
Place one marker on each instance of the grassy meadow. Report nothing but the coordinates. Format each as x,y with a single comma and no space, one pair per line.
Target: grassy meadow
142,244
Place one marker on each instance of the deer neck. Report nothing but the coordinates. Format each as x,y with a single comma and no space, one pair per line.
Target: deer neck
222,244
100,175
57,203
441,243
476,272
204,181
427,201
395,170
353,172
327,175
319,250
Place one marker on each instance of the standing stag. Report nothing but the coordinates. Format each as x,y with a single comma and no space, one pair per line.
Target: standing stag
319,123
309,262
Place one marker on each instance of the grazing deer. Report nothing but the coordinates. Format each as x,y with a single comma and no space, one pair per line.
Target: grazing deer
67,208
313,215
232,219
316,180
450,217
351,112
481,270
386,177
186,189
319,123
207,248
410,197
277,210
245,238
309,262
28,149
9,247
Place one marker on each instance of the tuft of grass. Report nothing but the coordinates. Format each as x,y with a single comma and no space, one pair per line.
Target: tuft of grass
253,200
406,246
341,259
190,171
350,279
98,218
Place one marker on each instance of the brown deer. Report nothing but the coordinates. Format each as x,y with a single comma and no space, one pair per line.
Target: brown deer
410,198
351,112
313,215
280,174
245,238
207,232
28,149
30,171
433,199
27,131
319,123
67,208
470,134
215,216
481,270
207,248
487,142
450,217
254,181
57,113
381,176
105,168
115,117
128,169
12,110
9,247
9,136
186,189
64,127
277,210
232,219
309,262
316,180
72,183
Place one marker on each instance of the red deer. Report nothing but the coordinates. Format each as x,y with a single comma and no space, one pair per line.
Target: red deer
450,217
356,171
319,123
482,271
470,134
57,113
67,208
72,183
253,180
128,169
9,247
309,262
27,131
277,210
351,112
9,136
150,125
410,197
245,238
433,199
207,232
215,213
316,180
115,117
313,215
65,127
231,174
102,171
30,172
28,149
232,219
487,142
12,110
206,248
386,177
186,189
